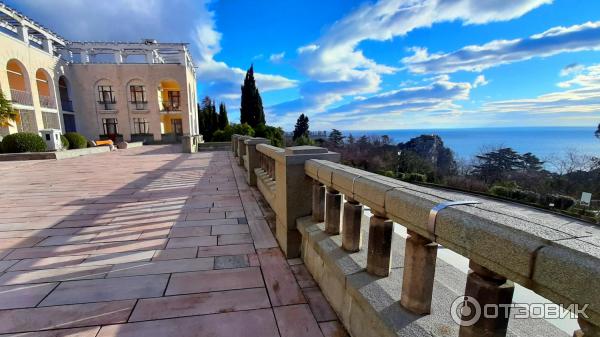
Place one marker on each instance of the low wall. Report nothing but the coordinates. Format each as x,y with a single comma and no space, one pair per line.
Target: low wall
53,155
214,146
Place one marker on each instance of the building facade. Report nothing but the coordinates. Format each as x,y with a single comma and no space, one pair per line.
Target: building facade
116,90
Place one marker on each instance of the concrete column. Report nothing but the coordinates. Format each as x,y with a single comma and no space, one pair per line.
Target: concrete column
252,156
294,193
487,288
47,45
85,56
318,201
352,235
241,149
419,269
188,144
333,211
587,329
150,57
234,144
118,57
23,33
380,245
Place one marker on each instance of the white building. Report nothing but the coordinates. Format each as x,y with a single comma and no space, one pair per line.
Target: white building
100,89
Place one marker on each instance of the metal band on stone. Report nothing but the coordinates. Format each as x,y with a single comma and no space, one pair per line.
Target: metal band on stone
434,211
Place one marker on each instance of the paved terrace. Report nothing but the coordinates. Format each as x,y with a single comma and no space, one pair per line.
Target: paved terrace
146,242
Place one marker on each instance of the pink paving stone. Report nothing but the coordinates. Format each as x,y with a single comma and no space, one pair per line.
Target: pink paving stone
38,233
253,260
225,250
230,229
56,274
4,265
281,284
199,223
214,280
64,316
75,332
303,276
36,252
66,240
175,254
204,216
193,241
19,242
296,321
24,296
263,237
251,323
200,304
116,236
333,329
319,305
234,239
114,258
107,290
161,267
155,234
117,247
48,262
189,231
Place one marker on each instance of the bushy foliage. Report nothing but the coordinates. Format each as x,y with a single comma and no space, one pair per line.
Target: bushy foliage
303,140
272,133
251,107
223,135
414,177
8,114
560,201
76,140
23,142
65,142
243,129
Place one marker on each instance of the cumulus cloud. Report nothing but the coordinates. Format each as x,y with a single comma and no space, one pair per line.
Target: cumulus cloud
479,57
132,20
276,58
480,81
582,97
572,68
337,67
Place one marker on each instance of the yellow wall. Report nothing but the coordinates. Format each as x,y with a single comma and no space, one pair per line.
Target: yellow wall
167,86
42,83
16,82
165,121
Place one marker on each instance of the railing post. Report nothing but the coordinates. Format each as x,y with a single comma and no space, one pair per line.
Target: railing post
333,209
380,245
234,144
352,235
294,193
487,288
419,269
241,149
587,329
252,156
318,201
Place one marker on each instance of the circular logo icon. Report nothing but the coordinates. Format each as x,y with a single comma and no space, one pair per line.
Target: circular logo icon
465,311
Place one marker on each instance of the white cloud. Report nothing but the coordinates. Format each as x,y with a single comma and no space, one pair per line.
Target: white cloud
479,57
337,68
582,98
276,58
480,81
573,68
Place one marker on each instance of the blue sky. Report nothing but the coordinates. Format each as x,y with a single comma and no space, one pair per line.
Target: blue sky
372,64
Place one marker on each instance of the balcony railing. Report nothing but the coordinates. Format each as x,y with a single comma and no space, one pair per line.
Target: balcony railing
139,105
171,106
21,97
47,102
107,105
319,205
67,105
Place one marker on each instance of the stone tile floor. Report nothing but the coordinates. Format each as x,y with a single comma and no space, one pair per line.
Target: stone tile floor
146,242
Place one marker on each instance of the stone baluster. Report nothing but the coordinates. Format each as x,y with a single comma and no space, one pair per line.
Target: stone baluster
318,201
380,245
253,158
419,269
234,144
352,234
333,209
588,329
487,288
241,149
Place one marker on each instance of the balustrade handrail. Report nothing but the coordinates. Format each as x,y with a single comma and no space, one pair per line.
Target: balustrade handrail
533,249
271,151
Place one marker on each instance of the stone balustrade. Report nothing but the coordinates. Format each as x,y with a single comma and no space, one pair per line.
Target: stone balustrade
555,257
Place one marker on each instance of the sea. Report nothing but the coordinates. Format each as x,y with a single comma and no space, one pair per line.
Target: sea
544,142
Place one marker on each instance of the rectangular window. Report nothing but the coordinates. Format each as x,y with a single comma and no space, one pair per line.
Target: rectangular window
174,99
110,126
105,94
138,93
140,125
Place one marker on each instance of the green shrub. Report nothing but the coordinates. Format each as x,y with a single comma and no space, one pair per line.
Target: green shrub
303,140
76,140
560,201
243,129
501,191
223,135
65,142
414,177
23,142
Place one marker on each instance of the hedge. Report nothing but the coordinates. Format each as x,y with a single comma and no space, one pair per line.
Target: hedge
65,142
76,140
23,142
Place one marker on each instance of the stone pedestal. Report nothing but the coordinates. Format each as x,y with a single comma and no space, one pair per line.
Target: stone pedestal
352,235
380,245
333,209
252,157
318,201
419,270
188,144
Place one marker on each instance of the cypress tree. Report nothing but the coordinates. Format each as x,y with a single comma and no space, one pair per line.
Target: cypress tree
301,128
251,110
223,119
